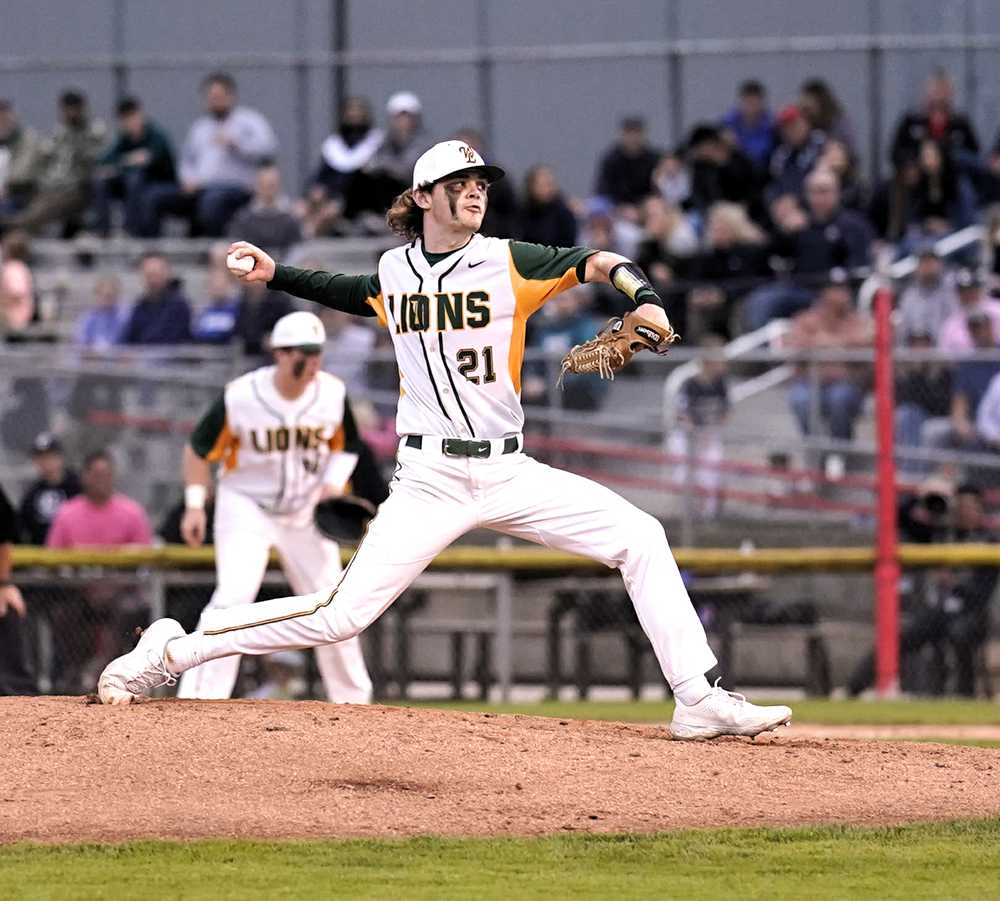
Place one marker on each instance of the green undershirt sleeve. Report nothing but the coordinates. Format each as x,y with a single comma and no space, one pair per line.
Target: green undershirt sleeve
539,262
348,293
206,433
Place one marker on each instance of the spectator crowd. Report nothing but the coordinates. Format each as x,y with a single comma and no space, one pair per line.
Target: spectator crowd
760,213
741,222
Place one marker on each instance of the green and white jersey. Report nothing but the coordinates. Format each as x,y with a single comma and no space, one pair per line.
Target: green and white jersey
457,323
278,452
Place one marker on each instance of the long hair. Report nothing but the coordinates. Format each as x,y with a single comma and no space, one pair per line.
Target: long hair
829,111
405,218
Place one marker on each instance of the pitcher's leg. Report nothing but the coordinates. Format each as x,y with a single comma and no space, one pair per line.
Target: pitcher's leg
416,522
311,561
571,513
242,545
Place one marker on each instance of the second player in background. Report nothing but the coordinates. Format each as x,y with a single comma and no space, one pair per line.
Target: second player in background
285,438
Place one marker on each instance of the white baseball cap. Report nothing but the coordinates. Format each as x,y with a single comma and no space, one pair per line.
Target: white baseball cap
404,102
298,330
451,158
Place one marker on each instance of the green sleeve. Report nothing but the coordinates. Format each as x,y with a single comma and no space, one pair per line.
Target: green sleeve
539,262
206,433
349,293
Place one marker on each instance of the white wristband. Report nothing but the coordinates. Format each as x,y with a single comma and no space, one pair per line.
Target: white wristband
194,497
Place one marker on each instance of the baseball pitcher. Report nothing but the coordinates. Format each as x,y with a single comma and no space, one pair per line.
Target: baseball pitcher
284,438
456,305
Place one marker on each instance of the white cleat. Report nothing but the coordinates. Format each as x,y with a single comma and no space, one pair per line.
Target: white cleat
134,675
725,713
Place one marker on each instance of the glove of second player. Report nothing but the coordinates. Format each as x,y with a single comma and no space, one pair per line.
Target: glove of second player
344,519
615,344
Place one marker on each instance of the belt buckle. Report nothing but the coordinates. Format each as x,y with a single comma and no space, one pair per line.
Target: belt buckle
457,447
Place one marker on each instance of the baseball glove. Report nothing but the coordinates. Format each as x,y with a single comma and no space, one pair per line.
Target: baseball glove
344,519
615,344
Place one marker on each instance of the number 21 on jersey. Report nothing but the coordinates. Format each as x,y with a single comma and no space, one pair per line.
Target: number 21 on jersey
468,363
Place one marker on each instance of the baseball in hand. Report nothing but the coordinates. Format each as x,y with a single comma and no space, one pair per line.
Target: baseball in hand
240,265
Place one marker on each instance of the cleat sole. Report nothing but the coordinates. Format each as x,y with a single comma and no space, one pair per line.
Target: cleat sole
683,732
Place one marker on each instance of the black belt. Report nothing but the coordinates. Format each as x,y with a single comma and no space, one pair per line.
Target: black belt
457,447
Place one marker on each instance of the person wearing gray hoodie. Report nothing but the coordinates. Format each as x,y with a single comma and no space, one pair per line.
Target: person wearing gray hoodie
219,161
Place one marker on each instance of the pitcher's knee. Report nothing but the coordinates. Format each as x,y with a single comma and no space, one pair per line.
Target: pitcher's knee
340,624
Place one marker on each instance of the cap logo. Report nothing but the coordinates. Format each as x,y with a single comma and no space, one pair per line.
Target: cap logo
468,153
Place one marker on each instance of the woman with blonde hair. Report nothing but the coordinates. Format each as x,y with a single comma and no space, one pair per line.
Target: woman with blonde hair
732,261
668,241
729,223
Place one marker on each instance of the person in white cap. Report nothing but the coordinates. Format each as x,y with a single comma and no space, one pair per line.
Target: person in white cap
456,305
284,438
403,142
388,171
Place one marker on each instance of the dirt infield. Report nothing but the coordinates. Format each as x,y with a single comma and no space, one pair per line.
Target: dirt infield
183,769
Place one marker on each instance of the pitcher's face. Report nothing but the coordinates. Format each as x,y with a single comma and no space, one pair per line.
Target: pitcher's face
458,202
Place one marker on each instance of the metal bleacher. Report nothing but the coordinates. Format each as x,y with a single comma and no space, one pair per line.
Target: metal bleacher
65,271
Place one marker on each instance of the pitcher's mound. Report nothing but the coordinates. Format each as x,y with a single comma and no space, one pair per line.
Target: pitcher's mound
182,769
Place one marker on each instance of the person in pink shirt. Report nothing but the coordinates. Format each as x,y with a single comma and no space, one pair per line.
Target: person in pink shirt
87,623
955,337
100,516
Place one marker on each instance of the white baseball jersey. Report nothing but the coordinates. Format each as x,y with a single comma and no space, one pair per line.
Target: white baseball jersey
276,451
457,323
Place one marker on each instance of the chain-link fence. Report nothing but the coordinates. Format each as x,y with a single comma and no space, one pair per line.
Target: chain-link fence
949,473
140,403
571,635
540,631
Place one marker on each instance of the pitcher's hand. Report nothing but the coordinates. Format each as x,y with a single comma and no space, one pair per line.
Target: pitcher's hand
263,264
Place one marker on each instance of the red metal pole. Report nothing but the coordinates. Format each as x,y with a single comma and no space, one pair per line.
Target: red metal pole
886,551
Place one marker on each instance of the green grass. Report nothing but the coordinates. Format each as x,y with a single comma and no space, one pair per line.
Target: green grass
958,860
809,710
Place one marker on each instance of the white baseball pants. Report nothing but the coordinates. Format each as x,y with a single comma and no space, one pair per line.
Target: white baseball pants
244,536
434,500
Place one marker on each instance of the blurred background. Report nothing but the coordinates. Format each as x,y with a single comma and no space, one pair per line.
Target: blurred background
770,167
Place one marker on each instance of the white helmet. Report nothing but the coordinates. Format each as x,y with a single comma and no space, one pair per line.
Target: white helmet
298,330
451,158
